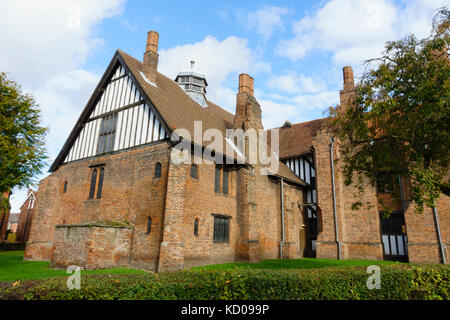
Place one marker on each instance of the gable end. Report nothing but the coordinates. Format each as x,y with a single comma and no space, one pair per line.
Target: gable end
118,116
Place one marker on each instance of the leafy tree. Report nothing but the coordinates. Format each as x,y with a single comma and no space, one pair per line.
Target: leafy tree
22,151
399,121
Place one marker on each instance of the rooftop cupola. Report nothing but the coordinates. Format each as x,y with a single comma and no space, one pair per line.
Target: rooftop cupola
193,83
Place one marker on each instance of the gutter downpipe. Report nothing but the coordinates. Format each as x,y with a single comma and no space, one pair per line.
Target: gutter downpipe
334,200
282,218
438,229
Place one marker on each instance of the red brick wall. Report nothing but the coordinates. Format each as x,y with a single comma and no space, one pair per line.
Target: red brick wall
130,193
173,202
423,243
359,230
92,247
252,203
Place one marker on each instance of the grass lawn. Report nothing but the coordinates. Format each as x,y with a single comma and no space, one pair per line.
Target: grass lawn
13,268
304,263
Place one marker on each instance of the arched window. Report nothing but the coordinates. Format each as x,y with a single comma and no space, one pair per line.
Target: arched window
158,168
149,225
194,173
196,227
65,187
93,183
100,183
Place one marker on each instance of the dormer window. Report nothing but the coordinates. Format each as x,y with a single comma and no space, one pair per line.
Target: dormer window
287,124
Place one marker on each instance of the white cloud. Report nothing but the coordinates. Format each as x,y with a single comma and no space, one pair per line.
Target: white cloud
46,44
319,101
48,37
355,30
220,61
266,20
295,97
62,98
275,113
302,107
294,83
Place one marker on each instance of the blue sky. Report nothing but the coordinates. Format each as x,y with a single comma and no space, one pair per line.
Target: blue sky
295,50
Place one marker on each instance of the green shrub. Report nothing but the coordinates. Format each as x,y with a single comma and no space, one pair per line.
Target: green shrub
397,282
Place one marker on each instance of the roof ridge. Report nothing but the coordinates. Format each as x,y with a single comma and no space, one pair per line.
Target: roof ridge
309,121
176,109
165,76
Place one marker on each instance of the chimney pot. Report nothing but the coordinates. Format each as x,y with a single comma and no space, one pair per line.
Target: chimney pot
348,94
349,80
245,83
150,62
152,41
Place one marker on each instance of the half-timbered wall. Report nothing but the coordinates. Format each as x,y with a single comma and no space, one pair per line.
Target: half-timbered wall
136,122
303,167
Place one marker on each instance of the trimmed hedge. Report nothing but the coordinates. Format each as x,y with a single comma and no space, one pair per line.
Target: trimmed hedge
397,282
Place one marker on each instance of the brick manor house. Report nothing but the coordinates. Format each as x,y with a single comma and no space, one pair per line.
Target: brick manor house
114,197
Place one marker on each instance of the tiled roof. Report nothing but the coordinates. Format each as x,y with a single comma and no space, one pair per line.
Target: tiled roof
179,111
297,139
176,108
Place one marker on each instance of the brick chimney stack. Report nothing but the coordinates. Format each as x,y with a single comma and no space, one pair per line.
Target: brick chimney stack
349,81
248,118
348,94
150,63
245,83
248,111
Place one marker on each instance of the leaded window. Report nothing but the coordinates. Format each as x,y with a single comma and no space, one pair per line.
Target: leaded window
225,181
100,183
196,227
107,134
194,171
93,184
158,169
221,229
221,179
217,175
149,225
97,175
